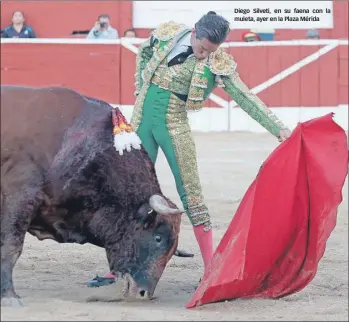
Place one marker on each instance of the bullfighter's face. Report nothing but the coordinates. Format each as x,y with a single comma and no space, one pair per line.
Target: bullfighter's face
202,48
146,248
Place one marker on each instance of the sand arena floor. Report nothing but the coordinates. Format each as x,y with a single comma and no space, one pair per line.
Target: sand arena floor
51,278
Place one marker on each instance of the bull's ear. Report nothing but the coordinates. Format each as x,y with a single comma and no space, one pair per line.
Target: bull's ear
146,215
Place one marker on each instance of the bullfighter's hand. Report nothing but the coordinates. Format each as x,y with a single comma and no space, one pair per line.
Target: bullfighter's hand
284,135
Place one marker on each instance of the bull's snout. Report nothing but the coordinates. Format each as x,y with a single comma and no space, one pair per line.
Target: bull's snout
143,294
133,290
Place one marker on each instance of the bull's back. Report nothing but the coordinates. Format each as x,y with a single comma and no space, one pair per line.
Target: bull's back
37,118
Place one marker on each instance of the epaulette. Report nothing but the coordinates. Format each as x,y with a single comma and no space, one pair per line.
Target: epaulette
168,30
221,63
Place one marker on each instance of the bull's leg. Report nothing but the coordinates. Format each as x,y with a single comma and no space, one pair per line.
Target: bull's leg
8,260
16,214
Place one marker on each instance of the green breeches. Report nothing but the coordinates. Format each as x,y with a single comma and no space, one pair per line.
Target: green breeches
165,124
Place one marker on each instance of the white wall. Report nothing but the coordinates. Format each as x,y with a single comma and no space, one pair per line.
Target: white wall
149,14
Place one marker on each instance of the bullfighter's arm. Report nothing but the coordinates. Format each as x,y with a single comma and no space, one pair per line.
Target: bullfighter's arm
145,53
251,104
243,96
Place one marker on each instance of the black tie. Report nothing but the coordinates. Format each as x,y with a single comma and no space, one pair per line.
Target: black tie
180,58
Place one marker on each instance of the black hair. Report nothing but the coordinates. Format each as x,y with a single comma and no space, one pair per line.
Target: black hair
212,27
103,16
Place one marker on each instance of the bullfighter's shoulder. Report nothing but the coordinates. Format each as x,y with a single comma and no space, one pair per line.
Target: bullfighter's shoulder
168,30
221,63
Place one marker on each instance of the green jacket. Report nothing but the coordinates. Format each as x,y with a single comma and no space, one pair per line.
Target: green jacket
194,78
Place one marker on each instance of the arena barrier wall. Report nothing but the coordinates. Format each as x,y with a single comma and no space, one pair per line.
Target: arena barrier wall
298,80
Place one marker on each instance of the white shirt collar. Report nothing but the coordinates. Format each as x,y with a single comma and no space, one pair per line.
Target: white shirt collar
186,39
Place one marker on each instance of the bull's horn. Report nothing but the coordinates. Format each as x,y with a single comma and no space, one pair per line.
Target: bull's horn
160,205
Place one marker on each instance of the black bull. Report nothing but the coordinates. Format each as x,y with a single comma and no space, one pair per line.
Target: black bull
62,179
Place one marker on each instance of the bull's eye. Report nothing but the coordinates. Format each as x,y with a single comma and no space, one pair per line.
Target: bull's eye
158,238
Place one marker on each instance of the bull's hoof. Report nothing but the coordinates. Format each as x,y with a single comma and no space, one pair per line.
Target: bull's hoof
11,302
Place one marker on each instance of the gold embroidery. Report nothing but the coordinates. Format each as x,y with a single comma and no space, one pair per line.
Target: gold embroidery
184,146
178,68
166,80
144,55
163,80
200,66
221,63
156,60
194,105
138,107
168,30
137,87
177,78
147,75
156,80
197,87
187,79
195,200
196,94
161,54
199,81
152,64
